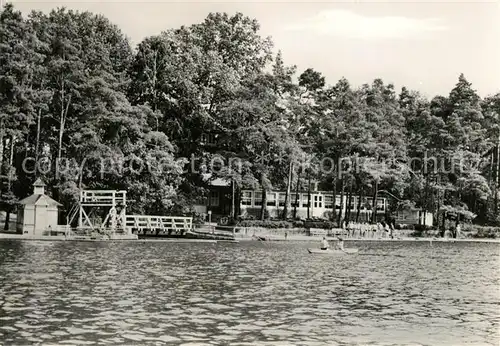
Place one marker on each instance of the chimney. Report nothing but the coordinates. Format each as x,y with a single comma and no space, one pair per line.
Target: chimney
38,187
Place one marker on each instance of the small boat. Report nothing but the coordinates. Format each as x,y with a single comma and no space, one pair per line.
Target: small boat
333,251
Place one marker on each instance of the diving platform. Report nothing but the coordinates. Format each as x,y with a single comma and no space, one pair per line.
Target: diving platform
100,210
105,212
102,214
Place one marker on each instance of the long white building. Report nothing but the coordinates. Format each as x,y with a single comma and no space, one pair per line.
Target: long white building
321,204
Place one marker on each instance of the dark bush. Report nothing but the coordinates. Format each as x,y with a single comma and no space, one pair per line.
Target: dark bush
246,217
198,218
476,231
322,224
298,224
423,228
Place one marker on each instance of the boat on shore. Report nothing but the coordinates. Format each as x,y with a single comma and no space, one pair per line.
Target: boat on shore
332,251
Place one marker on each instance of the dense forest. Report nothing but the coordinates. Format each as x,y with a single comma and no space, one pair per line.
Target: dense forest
76,98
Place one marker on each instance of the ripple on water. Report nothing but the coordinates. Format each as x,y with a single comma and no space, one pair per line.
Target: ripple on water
249,294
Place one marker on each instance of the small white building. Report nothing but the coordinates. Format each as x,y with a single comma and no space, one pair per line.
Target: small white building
414,216
37,213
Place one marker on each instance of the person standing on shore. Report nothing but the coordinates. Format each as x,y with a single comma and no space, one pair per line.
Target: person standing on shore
324,244
286,235
340,244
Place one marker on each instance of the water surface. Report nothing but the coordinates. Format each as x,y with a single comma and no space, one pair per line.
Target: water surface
255,293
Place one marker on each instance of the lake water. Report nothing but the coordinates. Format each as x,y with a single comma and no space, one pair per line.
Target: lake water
254,293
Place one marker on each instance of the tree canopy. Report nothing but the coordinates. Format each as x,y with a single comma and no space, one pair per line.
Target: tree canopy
92,112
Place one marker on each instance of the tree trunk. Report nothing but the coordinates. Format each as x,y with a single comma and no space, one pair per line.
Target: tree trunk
287,194
374,202
263,208
233,204
339,217
334,191
7,221
61,133
297,190
11,161
349,203
63,116
444,224
153,85
2,134
238,201
360,199
37,145
8,208
309,194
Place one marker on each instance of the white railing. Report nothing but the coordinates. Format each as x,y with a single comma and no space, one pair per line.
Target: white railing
103,197
318,231
213,229
159,222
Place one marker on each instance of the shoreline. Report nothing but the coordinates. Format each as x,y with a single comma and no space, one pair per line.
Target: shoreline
7,236
423,239
291,238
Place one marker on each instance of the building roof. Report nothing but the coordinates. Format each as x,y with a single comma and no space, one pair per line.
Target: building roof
220,182
215,182
39,182
38,199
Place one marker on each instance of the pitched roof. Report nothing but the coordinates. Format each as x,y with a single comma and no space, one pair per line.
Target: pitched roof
39,199
207,177
39,182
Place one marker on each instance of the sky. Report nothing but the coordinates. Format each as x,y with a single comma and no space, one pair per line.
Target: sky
423,45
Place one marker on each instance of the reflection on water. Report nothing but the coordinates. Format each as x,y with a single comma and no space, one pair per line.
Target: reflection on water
248,294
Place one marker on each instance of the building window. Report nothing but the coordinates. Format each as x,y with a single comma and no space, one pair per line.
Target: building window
271,199
293,198
328,202
305,200
353,203
362,206
246,198
214,198
318,201
381,204
208,138
257,199
204,138
282,199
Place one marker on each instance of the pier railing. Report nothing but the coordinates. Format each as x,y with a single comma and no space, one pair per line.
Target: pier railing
148,222
216,229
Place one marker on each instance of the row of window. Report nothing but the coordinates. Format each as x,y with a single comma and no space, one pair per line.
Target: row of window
208,138
254,199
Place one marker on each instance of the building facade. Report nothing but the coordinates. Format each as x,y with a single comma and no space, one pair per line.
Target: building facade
414,216
320,205
219,202
37,213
